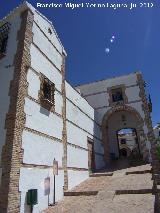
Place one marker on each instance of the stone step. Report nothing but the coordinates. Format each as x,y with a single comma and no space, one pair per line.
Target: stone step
81,193
139,172
101,174
133,191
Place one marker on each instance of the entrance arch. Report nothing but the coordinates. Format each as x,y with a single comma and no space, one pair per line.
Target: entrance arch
121,117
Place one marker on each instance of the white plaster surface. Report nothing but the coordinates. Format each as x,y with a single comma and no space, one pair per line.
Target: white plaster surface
40,119
58,102
99,86
40,150
46,47
42,65
132,93
77,157
34,179
6,73
98,100
33,84
34,88
44,24
77,99
138,107
76,177
76,136
79,118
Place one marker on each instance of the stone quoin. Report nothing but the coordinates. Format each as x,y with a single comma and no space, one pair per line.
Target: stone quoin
43,117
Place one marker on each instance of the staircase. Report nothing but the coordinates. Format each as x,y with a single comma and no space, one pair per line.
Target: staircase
126,190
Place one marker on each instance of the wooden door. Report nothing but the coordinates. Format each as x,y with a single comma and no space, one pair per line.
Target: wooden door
91,156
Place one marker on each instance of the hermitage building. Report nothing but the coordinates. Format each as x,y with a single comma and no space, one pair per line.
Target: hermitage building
43,118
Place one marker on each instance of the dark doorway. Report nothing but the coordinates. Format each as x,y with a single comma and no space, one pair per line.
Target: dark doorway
91,157
123,152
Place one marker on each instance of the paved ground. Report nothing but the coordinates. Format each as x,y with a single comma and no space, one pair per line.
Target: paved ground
106,201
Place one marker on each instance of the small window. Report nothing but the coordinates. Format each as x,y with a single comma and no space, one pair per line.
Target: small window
47,93
4,30
50,31
123,141
123,118
117,95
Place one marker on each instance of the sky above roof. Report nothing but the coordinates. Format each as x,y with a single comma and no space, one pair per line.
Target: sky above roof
106,42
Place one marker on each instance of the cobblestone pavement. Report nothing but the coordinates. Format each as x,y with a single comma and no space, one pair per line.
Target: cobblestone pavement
106,201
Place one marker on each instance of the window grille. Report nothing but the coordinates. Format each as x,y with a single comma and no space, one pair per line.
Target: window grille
117,95
4,30
47,91
123,141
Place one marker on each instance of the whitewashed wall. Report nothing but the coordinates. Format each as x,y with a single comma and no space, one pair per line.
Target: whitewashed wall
80,126
39,39
42,65
39,150
100,101
98,97
42,137
34,179
76,177
40,119
99,86
6,75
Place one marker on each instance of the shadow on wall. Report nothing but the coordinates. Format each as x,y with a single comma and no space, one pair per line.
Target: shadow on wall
27,208
98,145
44,111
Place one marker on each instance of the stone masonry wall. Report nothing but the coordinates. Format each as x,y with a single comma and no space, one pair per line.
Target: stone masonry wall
15,119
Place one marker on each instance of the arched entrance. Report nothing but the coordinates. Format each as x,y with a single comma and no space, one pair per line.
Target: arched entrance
117,118
128,143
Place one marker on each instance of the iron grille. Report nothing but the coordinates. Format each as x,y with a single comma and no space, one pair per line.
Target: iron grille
4,30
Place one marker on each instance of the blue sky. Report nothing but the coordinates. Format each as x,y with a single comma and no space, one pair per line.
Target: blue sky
86,32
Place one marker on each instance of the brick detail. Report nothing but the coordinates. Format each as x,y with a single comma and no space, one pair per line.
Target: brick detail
82,193
148,121
101,174
139,172
133,191
15,120
151,138
64,132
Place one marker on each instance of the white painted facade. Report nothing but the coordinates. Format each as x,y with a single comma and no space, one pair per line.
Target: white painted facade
97,95
6,73
42,135
44,143
43,132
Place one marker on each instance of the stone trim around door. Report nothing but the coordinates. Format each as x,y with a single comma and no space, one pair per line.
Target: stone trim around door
12,153
105,127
